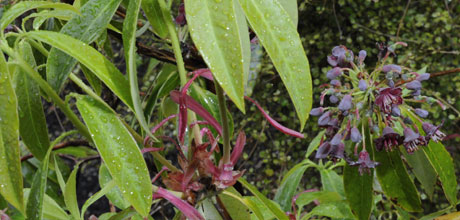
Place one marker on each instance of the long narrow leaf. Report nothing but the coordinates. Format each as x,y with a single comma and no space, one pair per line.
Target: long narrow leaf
279,36
10,166
153,13
51,210
288,186
91,58
32,122
119,151
95,16
70,194
109,186
218,37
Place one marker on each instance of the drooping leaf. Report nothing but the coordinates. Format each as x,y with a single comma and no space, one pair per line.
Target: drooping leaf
95,16
218,37
153,12
251,204
11,182
51,210
396,182
91,58
129,45
423,171
441,161
235,208
288,186
314,144
335,210
114,195
322,197
332,182
104,190
32,122
358,190
119,151
275,210
290,6
70,194
34,208
279,37
19,8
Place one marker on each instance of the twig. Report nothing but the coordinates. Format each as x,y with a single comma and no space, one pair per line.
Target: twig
402,19
62,145
336,20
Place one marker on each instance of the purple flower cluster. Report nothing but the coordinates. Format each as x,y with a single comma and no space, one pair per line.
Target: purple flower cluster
379,99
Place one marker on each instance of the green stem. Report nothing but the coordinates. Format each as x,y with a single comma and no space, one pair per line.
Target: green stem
48,90
225,128
175,41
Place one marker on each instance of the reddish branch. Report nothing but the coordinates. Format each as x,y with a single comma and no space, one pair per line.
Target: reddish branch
62,145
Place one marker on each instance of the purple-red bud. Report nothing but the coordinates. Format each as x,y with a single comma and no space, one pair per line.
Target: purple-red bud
346,103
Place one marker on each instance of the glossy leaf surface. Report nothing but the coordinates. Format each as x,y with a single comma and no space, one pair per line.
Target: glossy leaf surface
288,186
236,208
290,6
279,37
114,195
70,194
91,58
332,182
314,144
95,16
442,163
358,190
96,197
153,13
11,182
51,210
18,9
119,151
424,171
217,33
32,122
274,209
396,182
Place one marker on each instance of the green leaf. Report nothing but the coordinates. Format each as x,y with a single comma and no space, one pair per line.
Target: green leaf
153,12
288,186
423,171
396,182
275,210
32,122
322,196
168,79
314,144
109,186
10,164
216,32
19,8
113,195
70,194
51,210
34,209
209,101
92,80
119,151
290,6
208,211
279,36
91,58
332,182
358,190
95,16
441,161
339,210
129,45
235,207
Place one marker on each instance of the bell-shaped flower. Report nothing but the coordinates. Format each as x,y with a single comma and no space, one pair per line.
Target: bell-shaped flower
412,140
324,119
432,132
364,162
388,97
388,140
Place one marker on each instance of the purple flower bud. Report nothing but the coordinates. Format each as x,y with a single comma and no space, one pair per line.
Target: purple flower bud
324,119
334,73
333,122
333,99
362,55
423,77
416,92
407,120
337,139
391,67
355,136
414,85
391,83
345,104
395,111
410,135
338,150
338,51
332,60
421,112
323,150
405,77
362,85
316,111
335,83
